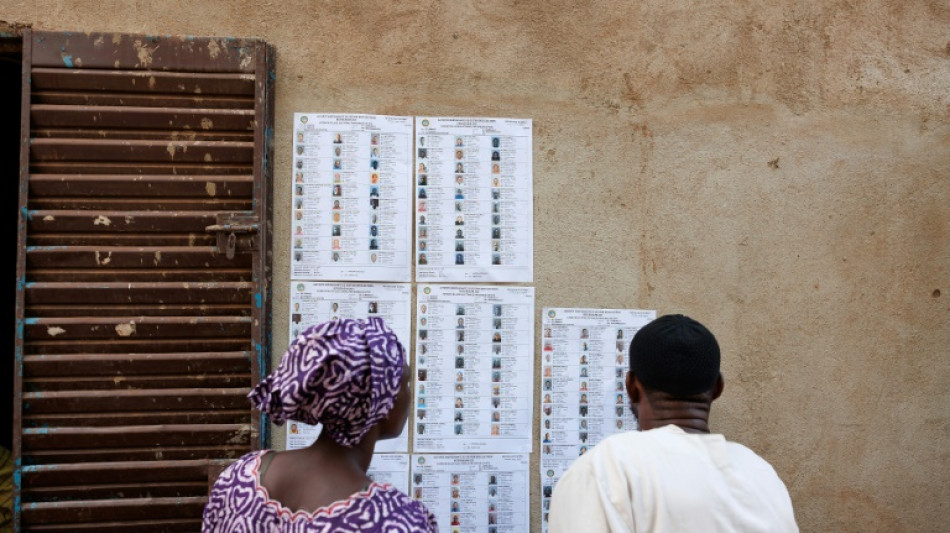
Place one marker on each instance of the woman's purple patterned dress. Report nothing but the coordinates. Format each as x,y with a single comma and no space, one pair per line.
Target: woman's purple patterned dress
239,504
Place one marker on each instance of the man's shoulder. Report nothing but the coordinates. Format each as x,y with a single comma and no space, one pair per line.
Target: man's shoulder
744,456
608,449
666,440
628,439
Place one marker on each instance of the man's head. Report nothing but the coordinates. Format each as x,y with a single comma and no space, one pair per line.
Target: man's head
674,365
675,354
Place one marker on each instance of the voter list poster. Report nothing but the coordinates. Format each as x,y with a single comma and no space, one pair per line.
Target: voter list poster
474,369
351,197
317,302
390,468
473,208
584,362
474,493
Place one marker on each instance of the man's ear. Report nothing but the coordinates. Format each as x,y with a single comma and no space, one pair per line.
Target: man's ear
720,385
632,390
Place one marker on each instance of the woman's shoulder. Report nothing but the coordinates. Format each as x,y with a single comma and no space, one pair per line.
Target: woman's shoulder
396,507
250,459
234,494
242,471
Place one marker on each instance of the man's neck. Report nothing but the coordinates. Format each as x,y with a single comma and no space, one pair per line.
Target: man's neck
690,416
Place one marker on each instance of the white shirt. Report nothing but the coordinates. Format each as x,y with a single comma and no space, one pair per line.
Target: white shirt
666,479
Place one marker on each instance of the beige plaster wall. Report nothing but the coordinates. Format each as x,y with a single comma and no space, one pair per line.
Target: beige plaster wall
778,169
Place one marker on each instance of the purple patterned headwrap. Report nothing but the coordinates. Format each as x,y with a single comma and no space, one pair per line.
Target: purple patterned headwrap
344,374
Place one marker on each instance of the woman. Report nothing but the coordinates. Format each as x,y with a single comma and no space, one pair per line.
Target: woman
351,376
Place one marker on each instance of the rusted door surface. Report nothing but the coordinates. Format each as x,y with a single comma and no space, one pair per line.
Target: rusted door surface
143,270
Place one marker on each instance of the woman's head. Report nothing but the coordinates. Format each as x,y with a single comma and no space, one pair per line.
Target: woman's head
348,375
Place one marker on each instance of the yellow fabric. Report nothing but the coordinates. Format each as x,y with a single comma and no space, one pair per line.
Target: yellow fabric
6,490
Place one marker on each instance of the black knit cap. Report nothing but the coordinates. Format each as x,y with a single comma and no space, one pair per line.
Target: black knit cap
675,354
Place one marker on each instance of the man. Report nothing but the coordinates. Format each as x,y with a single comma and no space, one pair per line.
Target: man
673,474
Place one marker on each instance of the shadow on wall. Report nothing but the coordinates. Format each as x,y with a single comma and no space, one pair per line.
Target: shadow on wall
10,73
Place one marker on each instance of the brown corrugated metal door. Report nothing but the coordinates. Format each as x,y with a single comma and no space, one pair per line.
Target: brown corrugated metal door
142,305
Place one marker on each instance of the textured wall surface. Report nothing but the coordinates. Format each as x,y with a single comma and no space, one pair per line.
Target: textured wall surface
779,170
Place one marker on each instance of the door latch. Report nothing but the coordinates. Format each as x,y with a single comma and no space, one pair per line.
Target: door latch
232,244
229,228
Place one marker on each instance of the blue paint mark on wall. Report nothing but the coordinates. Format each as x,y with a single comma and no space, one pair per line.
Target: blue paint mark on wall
68,61
258,300
17,484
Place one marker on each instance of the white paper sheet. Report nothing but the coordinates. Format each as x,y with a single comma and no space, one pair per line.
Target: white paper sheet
474,208
584,362
316,302
351,197
474,493
391,468
474,369
300,435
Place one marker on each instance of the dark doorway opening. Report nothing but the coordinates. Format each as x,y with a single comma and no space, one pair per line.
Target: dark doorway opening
11,66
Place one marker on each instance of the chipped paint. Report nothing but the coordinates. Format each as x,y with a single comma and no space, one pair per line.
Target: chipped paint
211,188
143,52
101,261
214,49
208,158
240,436
101,220
125,330
246,60
206,123
171,149
158,257
55,330
49,218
